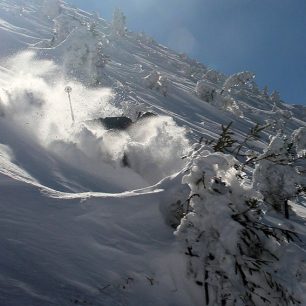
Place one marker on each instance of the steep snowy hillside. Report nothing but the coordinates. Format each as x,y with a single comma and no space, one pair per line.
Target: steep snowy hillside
114,186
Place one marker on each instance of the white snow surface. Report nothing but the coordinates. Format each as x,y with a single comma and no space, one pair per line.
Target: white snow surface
77,227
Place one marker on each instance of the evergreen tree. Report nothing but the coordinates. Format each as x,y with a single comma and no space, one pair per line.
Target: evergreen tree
232,251
119,23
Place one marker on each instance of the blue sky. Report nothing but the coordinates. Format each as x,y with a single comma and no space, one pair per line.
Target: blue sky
267,37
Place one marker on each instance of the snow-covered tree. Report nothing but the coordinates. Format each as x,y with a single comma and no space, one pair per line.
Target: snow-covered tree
99,61
238,80
155,80
299,140
275,97
279,119
119,23
253,87
163,85
205,91
209,94
92,27
63,26
232,254
212,76
194,70
151,79
276,174
265,92
229,104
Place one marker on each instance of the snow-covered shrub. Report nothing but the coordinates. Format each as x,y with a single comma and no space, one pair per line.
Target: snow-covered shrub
233,255
205,91
92,27
100,59
119,23
276,175
275,97
151,79
224,102
195,71
299,140
163,85
232,106
98,62
227,103
238,80
280,119
212,76
276,125
265,92
156,81
253,87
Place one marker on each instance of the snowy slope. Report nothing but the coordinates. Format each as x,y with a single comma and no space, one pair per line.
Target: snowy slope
77,227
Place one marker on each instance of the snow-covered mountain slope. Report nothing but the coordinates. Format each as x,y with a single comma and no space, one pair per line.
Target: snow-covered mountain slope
85,211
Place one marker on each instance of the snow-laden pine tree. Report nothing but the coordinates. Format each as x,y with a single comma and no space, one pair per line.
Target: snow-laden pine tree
265,92
99,60
222,101
275,97
280,172
233,254
119,23
212,76
237,80
205,91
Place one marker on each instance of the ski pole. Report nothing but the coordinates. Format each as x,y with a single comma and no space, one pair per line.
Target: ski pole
68,89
